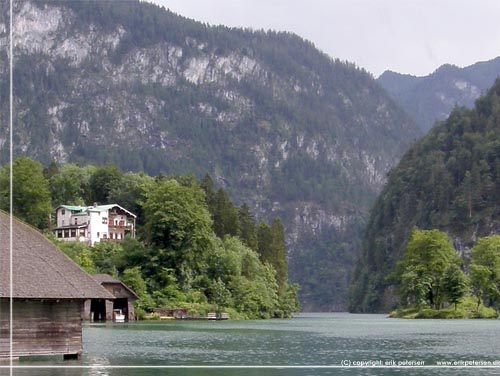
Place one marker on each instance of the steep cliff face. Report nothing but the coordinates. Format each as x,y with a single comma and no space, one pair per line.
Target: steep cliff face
276,122
432,98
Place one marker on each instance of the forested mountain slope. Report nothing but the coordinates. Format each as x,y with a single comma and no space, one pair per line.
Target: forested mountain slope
276,122
432,98
450,180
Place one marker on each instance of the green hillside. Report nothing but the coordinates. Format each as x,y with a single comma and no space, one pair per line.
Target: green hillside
450,180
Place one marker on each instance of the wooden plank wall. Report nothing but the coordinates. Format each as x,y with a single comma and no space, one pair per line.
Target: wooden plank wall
47,327
130,310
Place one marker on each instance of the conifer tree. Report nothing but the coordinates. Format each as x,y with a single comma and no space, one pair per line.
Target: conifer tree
225,216
248,233
264,242
279,261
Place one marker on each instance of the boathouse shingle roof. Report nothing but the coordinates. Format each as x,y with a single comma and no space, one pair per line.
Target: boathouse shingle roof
40,270
107,279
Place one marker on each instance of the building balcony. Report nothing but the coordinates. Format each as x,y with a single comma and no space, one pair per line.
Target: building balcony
126,226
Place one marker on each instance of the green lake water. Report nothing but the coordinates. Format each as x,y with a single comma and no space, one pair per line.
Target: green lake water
312,341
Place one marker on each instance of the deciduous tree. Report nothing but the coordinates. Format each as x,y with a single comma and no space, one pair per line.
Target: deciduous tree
30,192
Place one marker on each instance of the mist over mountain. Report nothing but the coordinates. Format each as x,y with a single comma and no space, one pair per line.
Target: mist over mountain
277,123
431,98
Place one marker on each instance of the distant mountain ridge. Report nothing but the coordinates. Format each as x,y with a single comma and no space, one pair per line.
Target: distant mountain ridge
431,98
278,123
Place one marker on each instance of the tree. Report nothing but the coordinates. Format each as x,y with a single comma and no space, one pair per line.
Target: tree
264,243
279,254
131,192
207,184
485,270
102,182
225,216
454,284
415,286
247,234
178,223
30,192
428,254
67,186
133,279
272,249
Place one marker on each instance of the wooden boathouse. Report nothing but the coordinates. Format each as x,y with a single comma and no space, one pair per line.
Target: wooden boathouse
123,302
48,294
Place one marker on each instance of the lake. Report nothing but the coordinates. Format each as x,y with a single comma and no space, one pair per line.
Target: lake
313,340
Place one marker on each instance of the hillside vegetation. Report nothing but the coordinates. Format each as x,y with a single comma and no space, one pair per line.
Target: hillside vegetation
194,248
277,123
450,180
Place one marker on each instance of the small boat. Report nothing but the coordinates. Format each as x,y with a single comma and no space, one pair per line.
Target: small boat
118,315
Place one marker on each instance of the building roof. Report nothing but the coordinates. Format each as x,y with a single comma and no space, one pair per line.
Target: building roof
39,269
95,208
73,208
107,279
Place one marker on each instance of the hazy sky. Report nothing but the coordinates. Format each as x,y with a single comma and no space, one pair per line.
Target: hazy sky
406,36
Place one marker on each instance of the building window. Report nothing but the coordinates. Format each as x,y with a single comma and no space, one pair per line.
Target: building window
59,234
104,220
76,221
66,233
98,233
63,212
73,233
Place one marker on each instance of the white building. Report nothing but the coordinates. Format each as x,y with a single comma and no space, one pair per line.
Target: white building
94,224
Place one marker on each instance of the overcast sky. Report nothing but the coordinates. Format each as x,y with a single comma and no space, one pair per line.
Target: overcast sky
406,36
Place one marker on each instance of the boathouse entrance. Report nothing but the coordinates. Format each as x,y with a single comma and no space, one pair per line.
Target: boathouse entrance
97,310
122,304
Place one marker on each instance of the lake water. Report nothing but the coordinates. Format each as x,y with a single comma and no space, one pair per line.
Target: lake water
312,340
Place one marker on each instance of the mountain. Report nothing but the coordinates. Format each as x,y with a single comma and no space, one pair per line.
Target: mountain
449,180
433,97
277,123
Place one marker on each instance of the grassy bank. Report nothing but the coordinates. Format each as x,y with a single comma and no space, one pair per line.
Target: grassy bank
467,309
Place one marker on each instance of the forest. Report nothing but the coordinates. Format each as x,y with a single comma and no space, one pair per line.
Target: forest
194,248
449,181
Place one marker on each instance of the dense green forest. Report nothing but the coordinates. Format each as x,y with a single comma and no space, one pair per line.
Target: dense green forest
194,249
450,180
